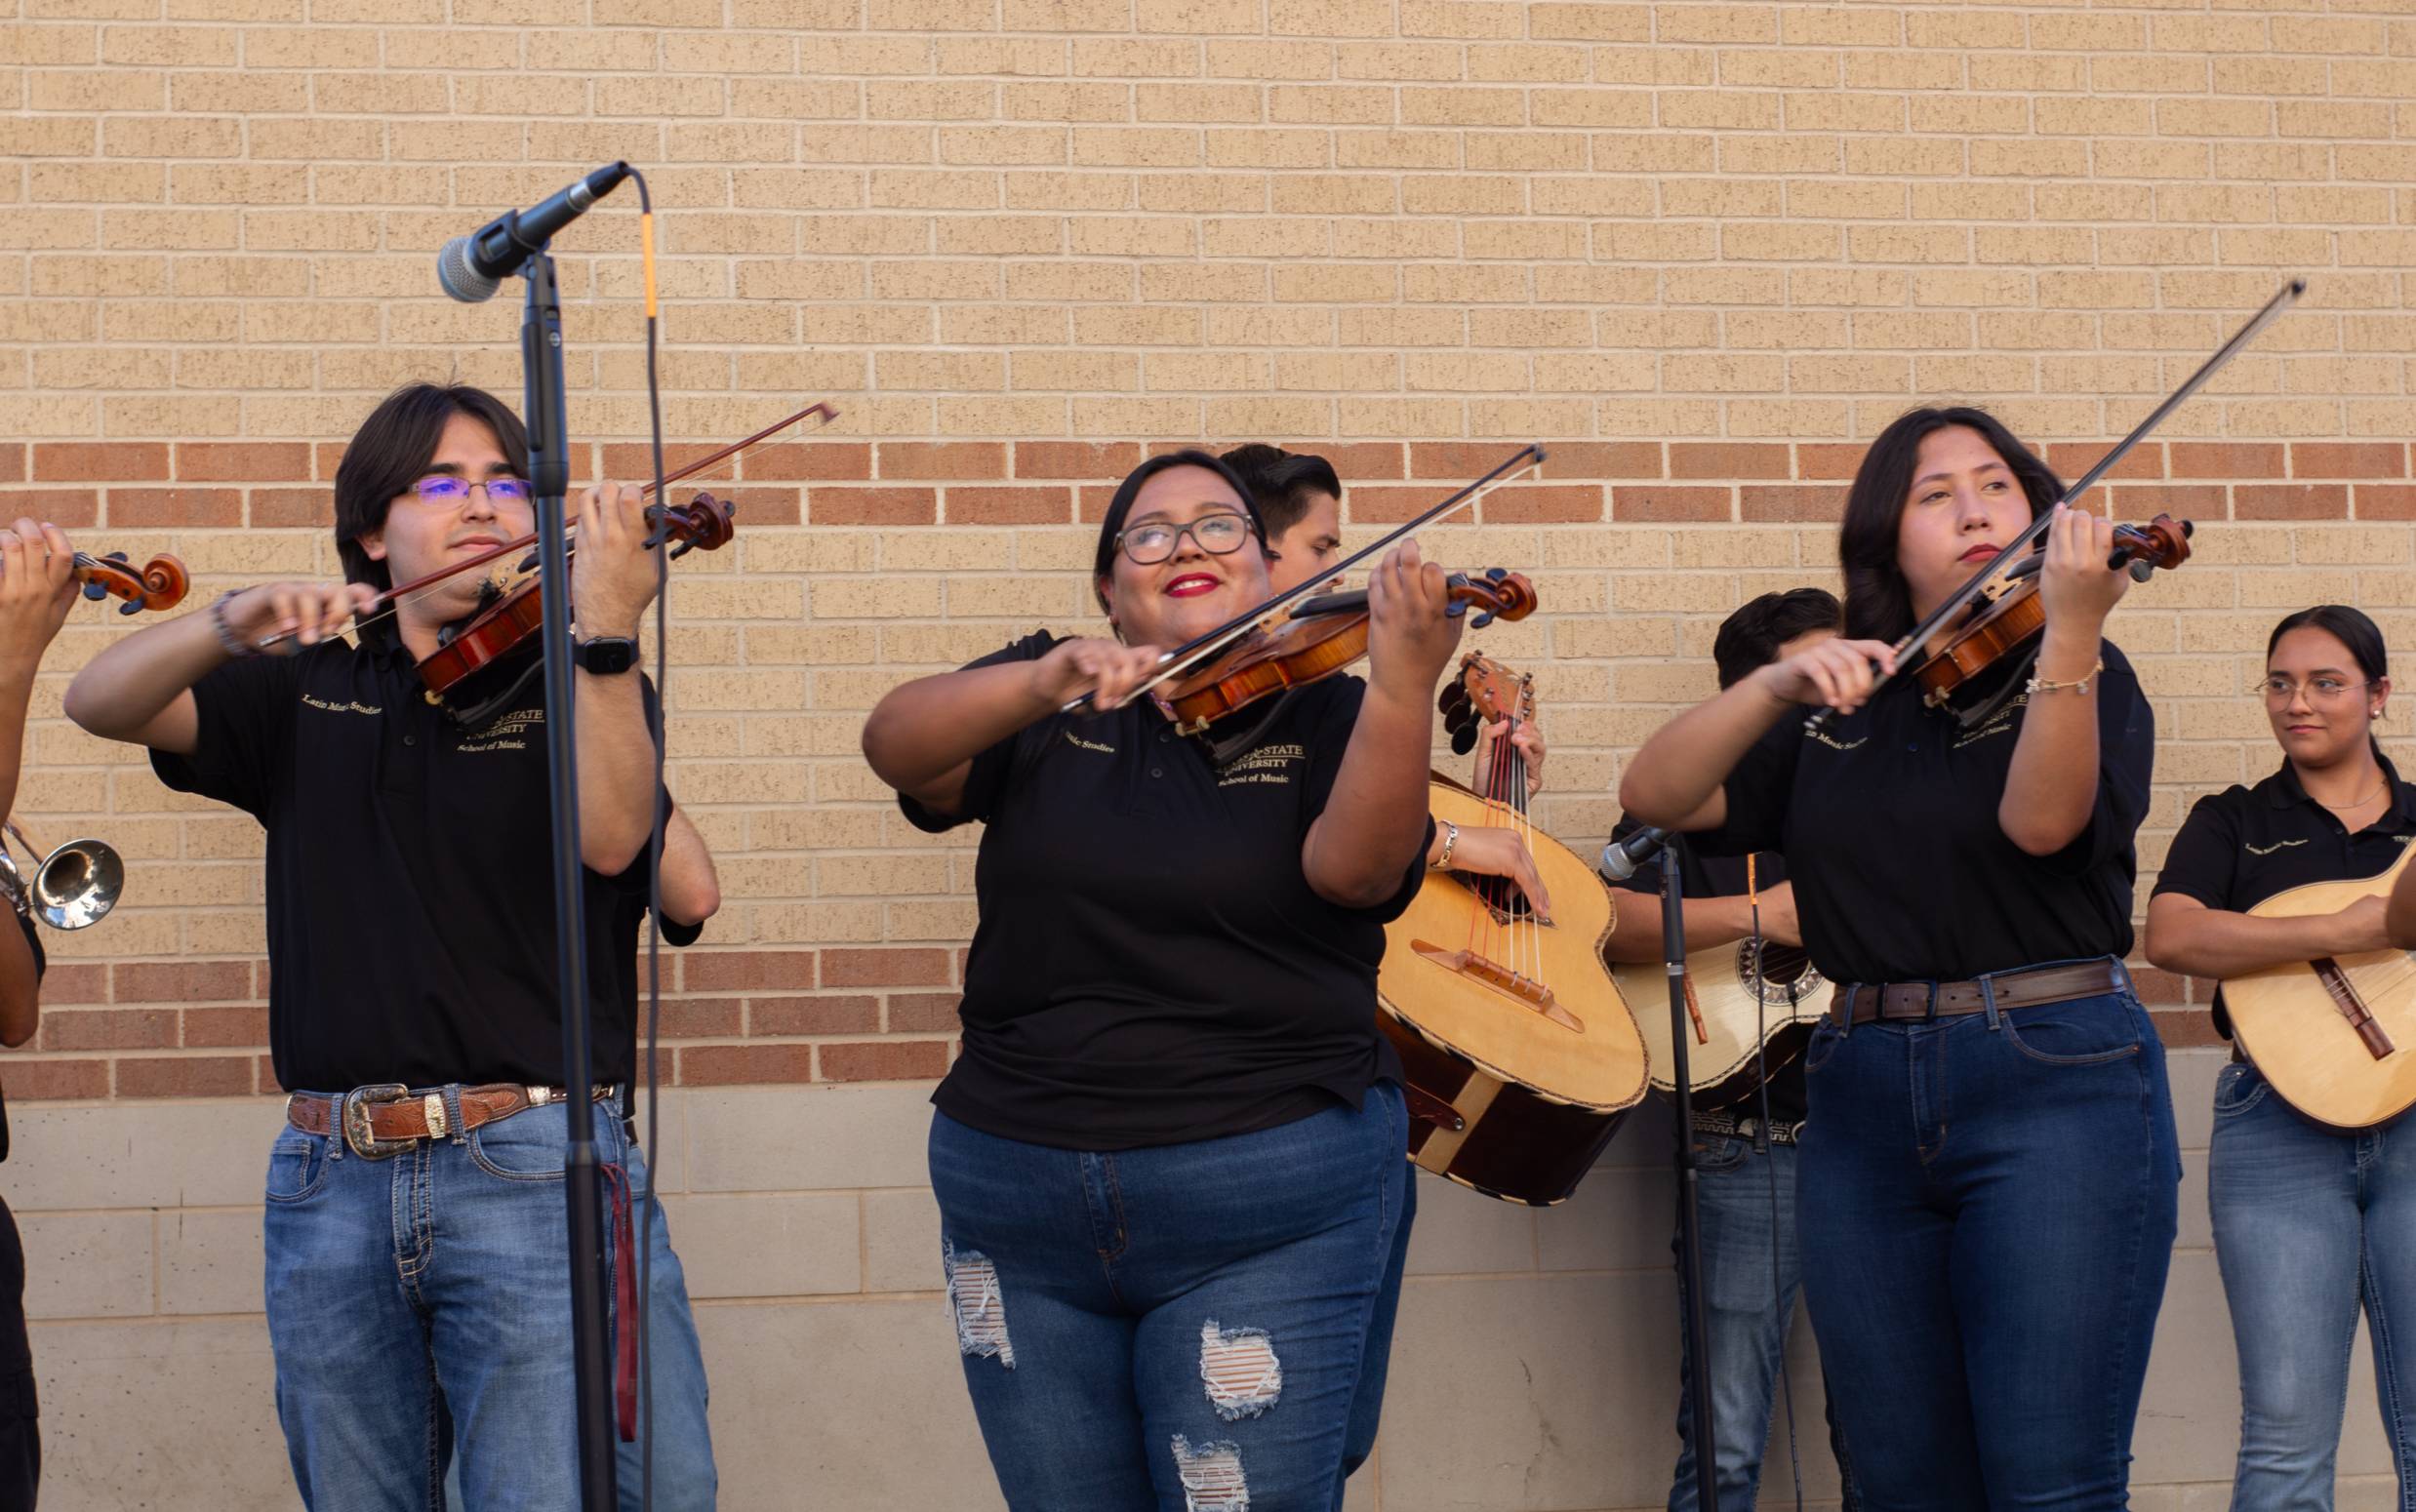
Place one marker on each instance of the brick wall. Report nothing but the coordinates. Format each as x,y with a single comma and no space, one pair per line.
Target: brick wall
1700,249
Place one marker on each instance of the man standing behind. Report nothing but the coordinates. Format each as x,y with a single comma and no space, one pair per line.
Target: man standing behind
416,1289
1745,1170
37,588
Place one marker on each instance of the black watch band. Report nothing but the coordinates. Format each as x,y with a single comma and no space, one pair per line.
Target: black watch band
605,654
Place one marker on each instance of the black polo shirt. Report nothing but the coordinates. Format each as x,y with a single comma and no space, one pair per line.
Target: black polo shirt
410,883
1887,818
41,965
2241,845
1151,967
1723,876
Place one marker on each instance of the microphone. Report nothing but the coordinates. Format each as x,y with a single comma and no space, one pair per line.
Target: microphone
1622,857
472,267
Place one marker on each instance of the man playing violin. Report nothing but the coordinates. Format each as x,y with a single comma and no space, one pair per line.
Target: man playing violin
413,1002
37,588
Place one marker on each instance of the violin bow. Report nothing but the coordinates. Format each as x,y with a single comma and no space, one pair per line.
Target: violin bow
1956,601
392,599
1198,649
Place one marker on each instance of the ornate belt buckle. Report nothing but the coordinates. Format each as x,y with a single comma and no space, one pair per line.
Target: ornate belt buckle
357,1105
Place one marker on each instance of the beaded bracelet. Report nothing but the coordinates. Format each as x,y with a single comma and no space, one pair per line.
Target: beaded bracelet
2042,685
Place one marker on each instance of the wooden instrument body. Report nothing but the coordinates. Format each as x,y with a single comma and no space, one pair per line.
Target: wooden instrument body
1538,1098
2297,1030
1720,989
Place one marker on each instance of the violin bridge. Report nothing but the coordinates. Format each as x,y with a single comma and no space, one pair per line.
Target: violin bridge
1490,974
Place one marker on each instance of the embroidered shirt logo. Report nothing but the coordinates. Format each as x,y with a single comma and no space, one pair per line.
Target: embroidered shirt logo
498,735
342,708
2267,850
1269,765
1080,744
1833,743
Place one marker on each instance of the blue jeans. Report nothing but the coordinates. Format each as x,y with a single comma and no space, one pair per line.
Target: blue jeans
1184,1328
1744,1204
2308,1224
422,1300
1986,1211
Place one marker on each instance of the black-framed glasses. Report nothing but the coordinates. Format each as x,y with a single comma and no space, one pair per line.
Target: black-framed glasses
1154,540
444,489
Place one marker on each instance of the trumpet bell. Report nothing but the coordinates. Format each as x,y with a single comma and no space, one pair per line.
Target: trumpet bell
77,885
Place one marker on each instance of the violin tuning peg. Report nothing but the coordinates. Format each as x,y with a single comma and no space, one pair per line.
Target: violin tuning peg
94,592
1481,620
682,549
2142,570
1463,740
1453,692
1497,573
131,606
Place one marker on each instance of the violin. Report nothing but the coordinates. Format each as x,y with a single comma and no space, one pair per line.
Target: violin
2008,563
2008,616
1324,635
516,618
159,585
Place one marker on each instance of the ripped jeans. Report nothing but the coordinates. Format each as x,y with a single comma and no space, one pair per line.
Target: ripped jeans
1184,1328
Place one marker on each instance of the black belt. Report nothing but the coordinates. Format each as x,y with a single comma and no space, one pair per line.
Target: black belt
1853,1003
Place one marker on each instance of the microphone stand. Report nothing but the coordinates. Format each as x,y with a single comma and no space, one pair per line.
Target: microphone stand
1696,1319
543,406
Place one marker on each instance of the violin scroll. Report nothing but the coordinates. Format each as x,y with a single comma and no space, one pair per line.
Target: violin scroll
160,584
705,525
1504,595
2162,541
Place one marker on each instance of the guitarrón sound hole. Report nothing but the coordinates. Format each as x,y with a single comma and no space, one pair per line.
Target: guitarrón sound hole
1786,976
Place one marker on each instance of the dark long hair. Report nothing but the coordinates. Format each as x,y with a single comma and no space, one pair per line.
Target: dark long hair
390,454
1878,601
2352,629
1103,562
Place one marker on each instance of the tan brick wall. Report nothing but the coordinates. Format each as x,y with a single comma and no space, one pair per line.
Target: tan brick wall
1700,248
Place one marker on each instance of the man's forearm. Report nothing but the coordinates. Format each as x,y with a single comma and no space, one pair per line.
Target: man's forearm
616,770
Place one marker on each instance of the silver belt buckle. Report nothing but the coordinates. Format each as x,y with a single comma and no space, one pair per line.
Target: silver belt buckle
357,1105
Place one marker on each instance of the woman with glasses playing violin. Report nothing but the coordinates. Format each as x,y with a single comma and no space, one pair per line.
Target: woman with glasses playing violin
1169,1158
414,1011
1987,1177
2310,1221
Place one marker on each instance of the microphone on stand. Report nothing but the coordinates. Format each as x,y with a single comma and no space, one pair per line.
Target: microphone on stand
472,267
1622,857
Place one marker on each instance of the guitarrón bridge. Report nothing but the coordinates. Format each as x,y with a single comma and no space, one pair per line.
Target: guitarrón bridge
1501,979
2353,1007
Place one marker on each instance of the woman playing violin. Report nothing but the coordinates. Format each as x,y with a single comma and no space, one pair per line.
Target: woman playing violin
2309,1222
1987,1182
1169,1158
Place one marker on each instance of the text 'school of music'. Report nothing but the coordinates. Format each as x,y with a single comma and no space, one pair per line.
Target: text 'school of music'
1239,949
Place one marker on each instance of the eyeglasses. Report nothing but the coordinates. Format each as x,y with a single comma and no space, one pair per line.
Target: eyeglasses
441,488
2279,692
1219,535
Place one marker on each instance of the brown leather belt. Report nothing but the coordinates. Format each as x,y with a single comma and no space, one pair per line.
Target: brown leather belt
1867,1002
389,1118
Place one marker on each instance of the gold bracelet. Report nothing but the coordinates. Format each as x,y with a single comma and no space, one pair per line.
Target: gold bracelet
2037,684
1451,837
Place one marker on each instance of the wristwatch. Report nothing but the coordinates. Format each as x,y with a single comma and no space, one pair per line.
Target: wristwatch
605,654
